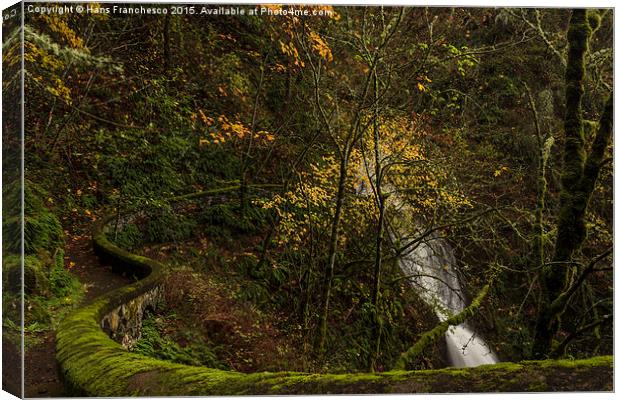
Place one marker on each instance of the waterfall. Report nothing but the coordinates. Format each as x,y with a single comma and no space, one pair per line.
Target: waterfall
430,266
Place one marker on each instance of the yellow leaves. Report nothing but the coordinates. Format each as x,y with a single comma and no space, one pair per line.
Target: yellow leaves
405,152
413,152
307,206
290,50
222,130
319,45
453,199
421,81
500,171
58,24
58,89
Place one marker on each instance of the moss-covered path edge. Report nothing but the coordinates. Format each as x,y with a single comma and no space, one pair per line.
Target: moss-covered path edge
92,364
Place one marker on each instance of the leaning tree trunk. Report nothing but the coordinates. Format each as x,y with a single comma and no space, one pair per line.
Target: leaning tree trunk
579,176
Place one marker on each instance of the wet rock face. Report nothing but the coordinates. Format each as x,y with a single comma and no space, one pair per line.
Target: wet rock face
124,323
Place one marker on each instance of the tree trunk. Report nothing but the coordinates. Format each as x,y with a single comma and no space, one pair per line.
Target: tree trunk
380,232
579,177
333,245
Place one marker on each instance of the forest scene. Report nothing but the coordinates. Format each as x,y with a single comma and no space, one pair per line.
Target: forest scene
274,199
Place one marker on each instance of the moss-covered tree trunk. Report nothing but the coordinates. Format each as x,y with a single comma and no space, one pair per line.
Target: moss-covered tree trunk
579,175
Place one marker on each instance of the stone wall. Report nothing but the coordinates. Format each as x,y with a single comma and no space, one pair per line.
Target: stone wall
124,323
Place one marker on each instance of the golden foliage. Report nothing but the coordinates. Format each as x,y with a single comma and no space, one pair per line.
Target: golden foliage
222,130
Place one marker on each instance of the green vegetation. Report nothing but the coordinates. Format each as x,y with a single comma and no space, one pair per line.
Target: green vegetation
50,290
84,352
306,194
152,344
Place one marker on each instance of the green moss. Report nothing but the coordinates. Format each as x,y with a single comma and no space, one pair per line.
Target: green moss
594,20
95,365
429,337
35,277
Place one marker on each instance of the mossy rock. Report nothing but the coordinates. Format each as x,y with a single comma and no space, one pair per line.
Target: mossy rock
35,276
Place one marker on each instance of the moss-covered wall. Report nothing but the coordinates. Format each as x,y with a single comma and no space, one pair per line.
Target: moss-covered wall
95,365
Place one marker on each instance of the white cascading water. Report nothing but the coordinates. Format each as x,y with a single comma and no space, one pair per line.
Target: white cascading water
430,265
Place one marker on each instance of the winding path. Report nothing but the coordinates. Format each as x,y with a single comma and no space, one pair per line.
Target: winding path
95,365
41,374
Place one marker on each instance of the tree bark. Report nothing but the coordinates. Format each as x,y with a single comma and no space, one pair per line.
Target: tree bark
333,245
579,176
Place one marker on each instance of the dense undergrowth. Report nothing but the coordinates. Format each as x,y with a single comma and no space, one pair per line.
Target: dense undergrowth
50,289
220,301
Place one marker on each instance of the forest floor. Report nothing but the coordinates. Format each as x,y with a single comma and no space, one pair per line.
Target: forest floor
42,378
207,307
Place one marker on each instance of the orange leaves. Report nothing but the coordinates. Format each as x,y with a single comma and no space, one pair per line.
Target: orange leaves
235,128
222,130
279,68
290,50
221,89
320,46
207,120
292,24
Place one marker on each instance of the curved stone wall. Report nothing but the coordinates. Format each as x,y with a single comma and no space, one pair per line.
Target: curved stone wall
93,364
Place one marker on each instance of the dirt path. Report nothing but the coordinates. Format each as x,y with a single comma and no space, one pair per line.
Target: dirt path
42,377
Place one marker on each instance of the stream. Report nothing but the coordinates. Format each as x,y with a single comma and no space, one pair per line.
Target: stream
430,266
